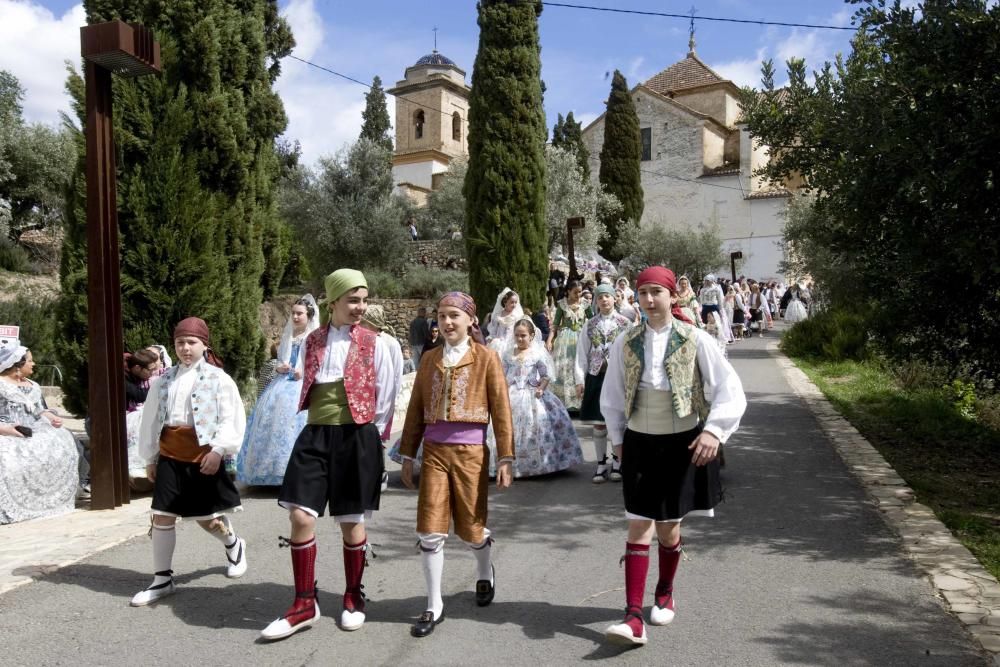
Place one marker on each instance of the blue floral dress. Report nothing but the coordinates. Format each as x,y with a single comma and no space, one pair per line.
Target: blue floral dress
273,426
545,440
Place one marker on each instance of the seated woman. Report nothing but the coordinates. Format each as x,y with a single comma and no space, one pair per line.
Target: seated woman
40,464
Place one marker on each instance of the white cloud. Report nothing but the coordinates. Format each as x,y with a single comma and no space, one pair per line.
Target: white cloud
744,72
324,112
36,44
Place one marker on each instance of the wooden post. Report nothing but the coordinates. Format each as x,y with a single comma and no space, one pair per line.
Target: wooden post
572,224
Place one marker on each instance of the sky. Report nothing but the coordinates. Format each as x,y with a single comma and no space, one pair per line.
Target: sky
580,50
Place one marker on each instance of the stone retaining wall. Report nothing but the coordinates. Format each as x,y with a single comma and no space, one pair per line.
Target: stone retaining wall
439,253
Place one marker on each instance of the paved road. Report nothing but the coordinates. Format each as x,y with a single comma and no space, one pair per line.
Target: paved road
797,569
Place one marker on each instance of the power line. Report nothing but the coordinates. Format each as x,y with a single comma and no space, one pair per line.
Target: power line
464,120
718,19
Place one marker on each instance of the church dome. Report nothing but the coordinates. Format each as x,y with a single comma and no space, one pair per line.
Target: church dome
434,58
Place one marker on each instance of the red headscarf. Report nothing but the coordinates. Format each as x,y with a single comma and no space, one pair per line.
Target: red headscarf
196,327
664,277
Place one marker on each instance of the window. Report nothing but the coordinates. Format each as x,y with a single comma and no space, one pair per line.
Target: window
456,126
647,143
418,124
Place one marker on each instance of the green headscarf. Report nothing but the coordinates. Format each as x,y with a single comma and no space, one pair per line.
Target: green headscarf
340,282
337,284
603,288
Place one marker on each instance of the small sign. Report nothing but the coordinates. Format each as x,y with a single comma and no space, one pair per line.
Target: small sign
9,336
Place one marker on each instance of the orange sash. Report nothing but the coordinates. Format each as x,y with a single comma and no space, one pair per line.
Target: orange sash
181,444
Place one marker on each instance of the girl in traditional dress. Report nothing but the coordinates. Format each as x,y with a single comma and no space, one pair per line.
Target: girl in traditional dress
796,310
670,399
506,313
688,300
545,440
276,422
40,464
571,314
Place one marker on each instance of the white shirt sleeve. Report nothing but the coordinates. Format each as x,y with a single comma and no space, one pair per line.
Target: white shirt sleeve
582,355
232,419
149,441
388,376
613,393
723,389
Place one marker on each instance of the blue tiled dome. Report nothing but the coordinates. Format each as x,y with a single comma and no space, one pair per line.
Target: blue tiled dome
434,58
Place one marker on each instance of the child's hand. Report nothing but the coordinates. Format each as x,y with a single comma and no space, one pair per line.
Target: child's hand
505,474
406,474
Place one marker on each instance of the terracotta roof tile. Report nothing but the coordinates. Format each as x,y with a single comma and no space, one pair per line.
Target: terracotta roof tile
687,73
769,194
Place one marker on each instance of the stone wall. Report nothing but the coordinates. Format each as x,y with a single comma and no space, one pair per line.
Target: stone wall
439,254
399,313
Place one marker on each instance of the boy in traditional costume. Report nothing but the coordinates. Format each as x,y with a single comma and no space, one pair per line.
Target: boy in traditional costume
592,348
192,418
459,388
349,387
670,399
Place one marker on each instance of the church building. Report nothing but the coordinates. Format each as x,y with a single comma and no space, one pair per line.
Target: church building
432,111
698,161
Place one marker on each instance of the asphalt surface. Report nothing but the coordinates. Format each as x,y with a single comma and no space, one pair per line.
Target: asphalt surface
796,569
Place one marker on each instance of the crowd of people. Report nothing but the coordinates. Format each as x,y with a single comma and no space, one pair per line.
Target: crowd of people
645,366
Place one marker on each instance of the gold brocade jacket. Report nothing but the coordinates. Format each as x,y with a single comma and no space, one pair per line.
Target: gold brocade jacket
473,391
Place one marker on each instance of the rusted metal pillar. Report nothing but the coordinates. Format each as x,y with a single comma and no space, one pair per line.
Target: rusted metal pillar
572,224
127,50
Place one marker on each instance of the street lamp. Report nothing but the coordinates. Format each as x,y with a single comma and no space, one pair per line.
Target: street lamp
127,50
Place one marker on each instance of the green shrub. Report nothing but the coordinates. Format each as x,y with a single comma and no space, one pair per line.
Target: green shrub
383,285
38,329
13,257
834,335
421,282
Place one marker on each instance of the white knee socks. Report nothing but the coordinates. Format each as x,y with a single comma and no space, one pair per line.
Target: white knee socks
483,552
225,533
601,442
164,540
432,555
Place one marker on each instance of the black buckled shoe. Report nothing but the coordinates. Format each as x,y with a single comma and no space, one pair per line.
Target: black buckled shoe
486,590
425,624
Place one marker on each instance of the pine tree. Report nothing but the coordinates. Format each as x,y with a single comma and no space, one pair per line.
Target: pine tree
197,173
376,126
568,135
620,158
504,188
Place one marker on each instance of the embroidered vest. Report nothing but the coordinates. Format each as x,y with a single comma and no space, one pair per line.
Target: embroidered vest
359,375
204,401
359,371
600,343
680,363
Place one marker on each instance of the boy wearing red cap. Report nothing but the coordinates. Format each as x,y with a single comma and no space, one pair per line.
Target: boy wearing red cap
193,418
670,399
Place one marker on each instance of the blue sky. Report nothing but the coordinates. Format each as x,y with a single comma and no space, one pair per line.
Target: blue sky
383,37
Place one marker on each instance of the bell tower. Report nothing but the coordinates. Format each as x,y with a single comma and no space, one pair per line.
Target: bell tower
432,110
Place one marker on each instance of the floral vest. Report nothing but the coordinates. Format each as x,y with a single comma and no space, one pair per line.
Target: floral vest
600,343
680,363
359,371
204,401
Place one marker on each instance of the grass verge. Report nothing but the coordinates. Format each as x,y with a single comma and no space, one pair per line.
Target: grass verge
951,462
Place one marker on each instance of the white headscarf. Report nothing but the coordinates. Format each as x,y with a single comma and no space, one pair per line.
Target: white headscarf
164,356
11,355
535,352
288,334
498,318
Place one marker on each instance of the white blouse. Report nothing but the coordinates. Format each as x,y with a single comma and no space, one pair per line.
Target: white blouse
232,415
723,389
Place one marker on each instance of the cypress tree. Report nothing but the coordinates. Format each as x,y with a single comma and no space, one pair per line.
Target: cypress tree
197,173
376,127
504,187
620,158
568,135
